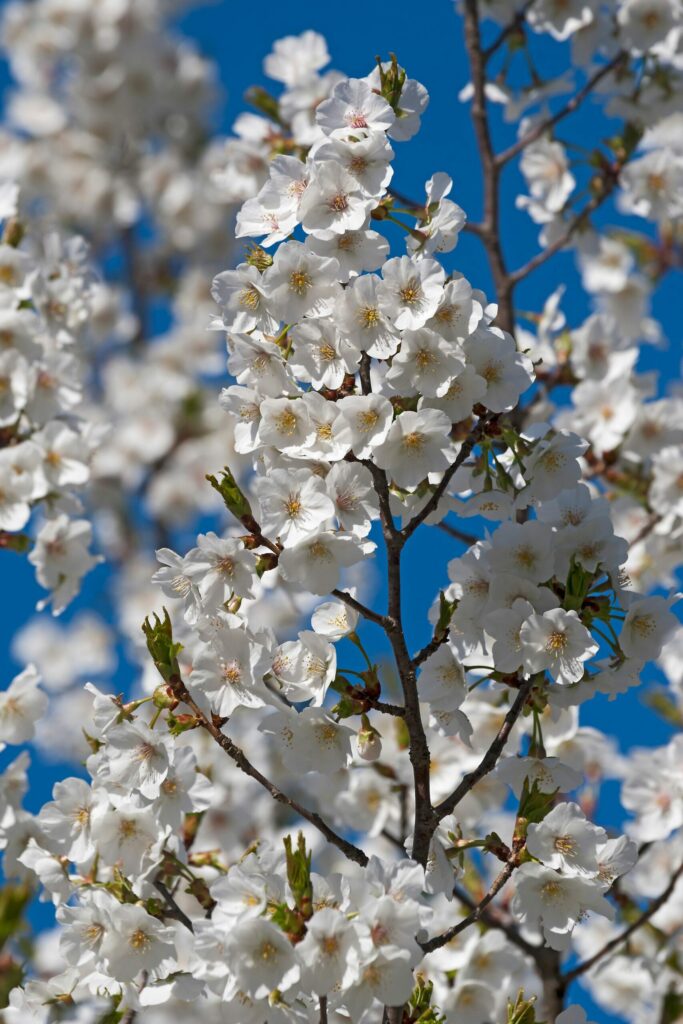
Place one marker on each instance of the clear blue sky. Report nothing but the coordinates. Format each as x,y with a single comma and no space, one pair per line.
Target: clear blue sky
427,39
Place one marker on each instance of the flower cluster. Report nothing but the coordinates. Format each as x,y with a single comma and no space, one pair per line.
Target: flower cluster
45,448
374,392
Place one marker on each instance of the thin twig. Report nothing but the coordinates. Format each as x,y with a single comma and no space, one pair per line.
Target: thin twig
578,221
367,613
652,909
174,910
512,26
573,104
441,940
386,709
492,919
468,444
322,1003
490,223
430,648
452,531
353,853
490,758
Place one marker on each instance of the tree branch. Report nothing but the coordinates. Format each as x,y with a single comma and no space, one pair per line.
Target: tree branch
174,910
575,223
234,752
452,531
441,940
510,28
465,451
573,104
430,648
424,820
490,758
367,613
614,943
490,225
492,919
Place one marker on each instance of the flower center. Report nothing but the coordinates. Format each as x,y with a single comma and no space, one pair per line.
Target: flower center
327,352
411,293
329,945
564,844
367,420
287,422
140,940
556,642
368,316
249,297
356,119
299,282
338,203
414,442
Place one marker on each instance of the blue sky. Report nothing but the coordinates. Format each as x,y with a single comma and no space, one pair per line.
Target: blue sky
427,39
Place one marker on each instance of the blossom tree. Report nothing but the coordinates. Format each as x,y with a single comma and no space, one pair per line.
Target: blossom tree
293,814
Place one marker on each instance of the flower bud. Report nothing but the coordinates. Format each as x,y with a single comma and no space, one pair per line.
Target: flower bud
368,741
163,698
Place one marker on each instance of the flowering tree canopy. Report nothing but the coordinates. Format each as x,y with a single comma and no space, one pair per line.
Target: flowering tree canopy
292,814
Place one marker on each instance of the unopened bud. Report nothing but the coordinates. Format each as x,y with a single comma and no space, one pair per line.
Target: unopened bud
265,562
259,258
13,232
163,698
368,741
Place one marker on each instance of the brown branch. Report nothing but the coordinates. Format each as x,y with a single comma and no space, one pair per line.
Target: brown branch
510,28
384,708
437,641
575,223
424,818
452,531
573,104
490,224
418,751
367,613
651,909
173,910
465,451
322,1003
441,940
234,752
134,273
490,758
492,919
